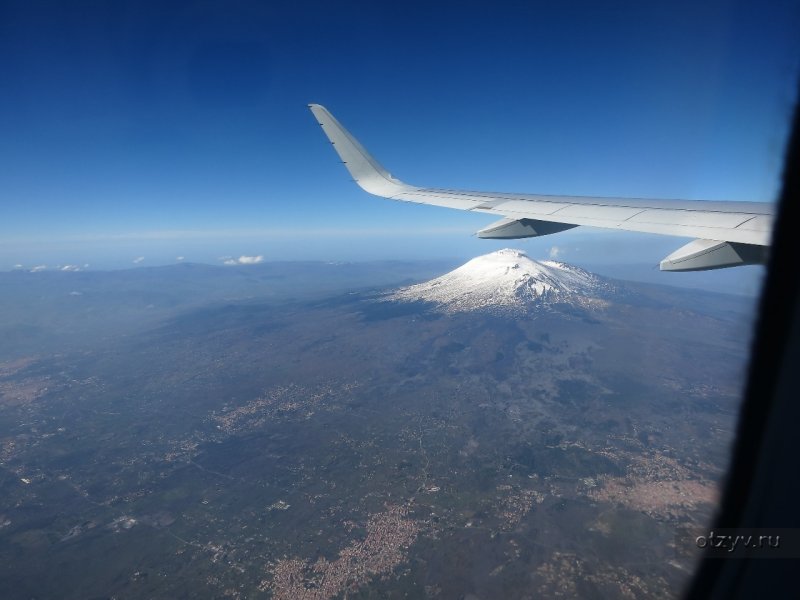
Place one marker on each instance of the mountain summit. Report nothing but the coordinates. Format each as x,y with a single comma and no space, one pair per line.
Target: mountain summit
506,281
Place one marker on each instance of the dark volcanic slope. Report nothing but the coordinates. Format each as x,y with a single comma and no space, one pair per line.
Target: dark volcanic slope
378,449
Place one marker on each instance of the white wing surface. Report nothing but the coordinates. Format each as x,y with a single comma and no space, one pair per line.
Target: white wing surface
729,233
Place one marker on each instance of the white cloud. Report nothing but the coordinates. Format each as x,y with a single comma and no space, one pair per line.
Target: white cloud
555,252
180,258
138,259
17,266
250,260
76,293
242,260
70,268
38,268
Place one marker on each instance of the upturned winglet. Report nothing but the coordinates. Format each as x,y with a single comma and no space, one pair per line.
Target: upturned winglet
366,171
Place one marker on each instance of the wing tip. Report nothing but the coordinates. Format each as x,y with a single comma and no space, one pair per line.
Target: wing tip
314,107
364,169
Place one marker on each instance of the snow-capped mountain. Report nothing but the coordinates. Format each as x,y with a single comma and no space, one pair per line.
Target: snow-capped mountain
506,281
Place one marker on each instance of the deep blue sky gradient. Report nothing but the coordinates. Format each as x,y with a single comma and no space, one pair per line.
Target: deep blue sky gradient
177,128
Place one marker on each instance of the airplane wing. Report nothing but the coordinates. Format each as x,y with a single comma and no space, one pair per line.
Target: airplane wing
728,233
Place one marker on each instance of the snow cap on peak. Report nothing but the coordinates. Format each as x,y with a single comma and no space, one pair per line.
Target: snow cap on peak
503,280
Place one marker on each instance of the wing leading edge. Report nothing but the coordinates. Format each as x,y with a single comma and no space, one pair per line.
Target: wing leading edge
729,233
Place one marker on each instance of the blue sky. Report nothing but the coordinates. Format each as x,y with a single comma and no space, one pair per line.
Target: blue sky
166,129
